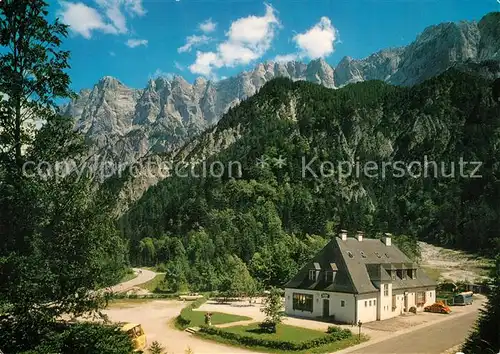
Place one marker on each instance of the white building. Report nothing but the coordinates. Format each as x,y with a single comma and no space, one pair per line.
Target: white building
357,279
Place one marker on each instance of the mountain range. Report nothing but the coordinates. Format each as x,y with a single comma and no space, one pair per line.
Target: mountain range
126,123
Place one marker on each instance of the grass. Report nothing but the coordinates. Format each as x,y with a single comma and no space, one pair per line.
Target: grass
156,285
128,276
284,332
197,318
189,317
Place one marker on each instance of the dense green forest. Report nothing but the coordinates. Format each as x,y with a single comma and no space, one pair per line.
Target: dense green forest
269,216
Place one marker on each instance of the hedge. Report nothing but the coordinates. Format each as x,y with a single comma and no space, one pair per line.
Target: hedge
183,320
333,336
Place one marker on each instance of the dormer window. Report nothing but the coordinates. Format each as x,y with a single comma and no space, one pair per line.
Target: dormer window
363,255
349,253
412,273
329,277
393,275
312,274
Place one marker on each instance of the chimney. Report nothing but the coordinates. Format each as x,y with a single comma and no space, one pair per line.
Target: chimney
359,236
343,235
387,239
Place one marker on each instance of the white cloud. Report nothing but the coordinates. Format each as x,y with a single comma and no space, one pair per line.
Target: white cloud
84,19
108,16
248,39
318,41
179,66
208,26
286,58
132,43
254,30
205,63
160,73
135,7
193,41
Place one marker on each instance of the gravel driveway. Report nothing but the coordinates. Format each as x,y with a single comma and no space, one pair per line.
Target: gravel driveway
156,318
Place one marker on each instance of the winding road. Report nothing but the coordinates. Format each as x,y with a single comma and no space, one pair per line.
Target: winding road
143,276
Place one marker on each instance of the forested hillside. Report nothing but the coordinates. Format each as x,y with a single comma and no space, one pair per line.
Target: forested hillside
430,155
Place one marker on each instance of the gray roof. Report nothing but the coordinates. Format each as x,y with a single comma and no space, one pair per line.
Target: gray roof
361,267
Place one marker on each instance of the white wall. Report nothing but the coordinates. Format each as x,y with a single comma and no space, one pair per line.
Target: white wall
367,307
342,314
365,314
385,304
400,303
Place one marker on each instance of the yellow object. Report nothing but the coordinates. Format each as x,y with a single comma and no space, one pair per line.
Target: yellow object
136,333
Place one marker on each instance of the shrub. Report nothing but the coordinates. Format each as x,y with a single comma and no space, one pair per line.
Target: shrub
333,329
337,335
82,338
268,326
156,348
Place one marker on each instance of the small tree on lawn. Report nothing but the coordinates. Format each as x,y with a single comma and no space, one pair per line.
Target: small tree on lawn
156,348
273,310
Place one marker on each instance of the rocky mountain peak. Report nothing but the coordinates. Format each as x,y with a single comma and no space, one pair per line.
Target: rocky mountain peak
170,110
320,72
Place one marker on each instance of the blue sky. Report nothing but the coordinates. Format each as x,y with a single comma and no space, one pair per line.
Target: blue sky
134,40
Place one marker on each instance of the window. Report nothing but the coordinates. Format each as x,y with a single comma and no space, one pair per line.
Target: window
342,303
377,254
303,302
370,303
393,275
349,253
386,289
421,298
366,303
363,255
374,302
329,277
393,302
400,272
312,274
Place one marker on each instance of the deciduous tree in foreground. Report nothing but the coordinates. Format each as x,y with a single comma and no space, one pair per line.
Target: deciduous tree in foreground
58,241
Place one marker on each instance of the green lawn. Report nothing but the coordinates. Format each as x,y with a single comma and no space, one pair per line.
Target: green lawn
283,332
197,318
190,317
155,285
128,276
